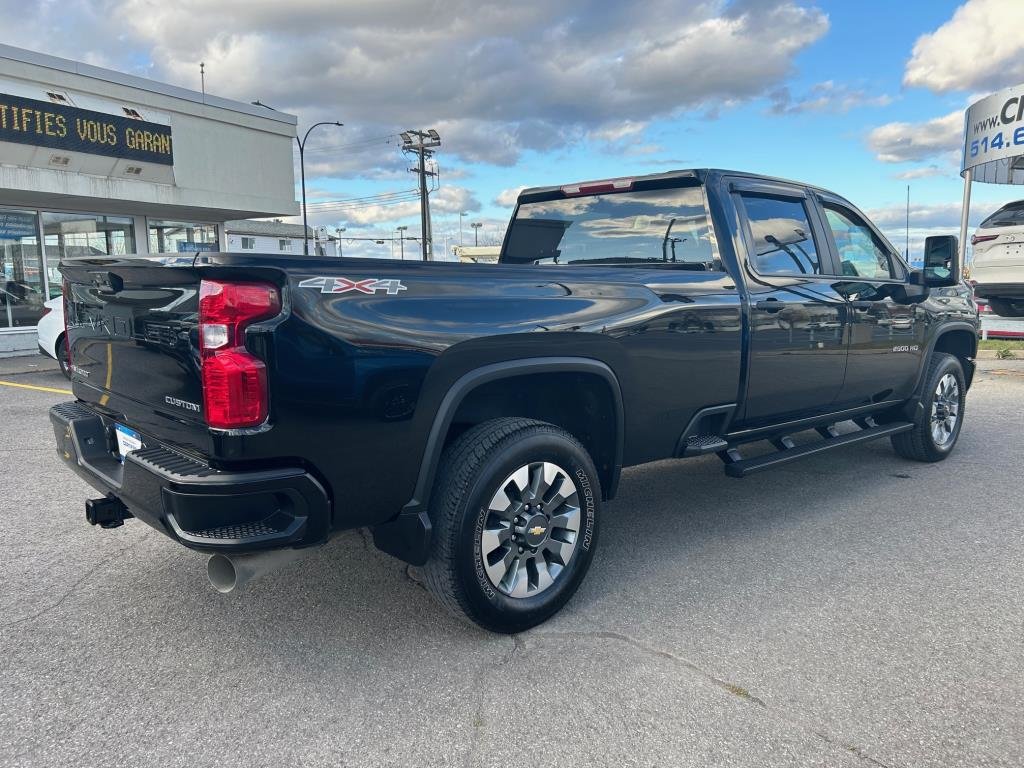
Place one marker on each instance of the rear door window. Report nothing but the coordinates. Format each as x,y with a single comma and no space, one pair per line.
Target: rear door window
653,228
1011,215
783,237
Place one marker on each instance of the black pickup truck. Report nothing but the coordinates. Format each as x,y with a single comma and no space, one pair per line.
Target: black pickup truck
475,417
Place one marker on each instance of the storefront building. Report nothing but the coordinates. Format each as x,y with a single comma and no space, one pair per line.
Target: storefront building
249,236
97,162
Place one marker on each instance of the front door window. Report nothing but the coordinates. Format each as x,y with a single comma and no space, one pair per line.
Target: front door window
860,253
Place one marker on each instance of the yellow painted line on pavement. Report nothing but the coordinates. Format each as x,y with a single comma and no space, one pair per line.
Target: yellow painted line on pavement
33,386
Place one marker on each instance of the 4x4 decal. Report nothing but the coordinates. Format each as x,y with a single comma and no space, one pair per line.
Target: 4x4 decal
344,285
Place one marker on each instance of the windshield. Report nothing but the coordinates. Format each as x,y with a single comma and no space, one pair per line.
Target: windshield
664,226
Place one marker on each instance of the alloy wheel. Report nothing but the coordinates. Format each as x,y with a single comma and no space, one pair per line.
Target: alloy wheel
945,410
530,529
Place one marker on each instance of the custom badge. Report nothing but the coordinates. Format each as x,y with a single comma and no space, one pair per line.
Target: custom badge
344,285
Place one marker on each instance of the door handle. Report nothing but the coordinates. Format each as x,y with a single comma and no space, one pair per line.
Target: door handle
770,305
862,304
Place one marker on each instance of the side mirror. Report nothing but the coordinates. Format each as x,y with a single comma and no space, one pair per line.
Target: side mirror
941,262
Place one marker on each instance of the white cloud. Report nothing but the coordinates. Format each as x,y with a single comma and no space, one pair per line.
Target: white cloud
493,77
980,47
449,199
618,131
925,221
507,197
921,173
911,142
825,97
921,216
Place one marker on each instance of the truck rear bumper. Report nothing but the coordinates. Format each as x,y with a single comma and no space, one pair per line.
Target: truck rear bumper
201,507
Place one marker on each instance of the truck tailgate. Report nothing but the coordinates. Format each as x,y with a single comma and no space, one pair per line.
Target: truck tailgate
133,334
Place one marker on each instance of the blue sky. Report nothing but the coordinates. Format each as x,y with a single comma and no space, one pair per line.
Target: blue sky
860,97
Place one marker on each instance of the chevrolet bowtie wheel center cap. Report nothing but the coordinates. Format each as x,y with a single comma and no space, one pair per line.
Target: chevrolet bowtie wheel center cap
536,530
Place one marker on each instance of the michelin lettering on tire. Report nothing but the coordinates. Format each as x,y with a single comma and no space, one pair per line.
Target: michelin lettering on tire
588,495
478,555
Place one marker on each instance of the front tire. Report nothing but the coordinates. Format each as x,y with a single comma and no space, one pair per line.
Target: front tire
515,512
939,415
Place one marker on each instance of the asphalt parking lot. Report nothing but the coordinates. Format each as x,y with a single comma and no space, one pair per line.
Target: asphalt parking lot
855,609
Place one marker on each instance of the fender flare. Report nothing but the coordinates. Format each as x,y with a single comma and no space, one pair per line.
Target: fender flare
959,325
914,403
408,535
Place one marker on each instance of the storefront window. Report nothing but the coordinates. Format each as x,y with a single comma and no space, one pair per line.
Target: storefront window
84,234
21,274
181,237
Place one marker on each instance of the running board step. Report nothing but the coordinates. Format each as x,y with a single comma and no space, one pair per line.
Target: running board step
739,467
698,445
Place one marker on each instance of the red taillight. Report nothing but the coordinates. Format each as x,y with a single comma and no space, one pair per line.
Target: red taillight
234,381
975,239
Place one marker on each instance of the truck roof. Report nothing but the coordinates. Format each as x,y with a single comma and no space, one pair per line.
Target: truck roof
701,174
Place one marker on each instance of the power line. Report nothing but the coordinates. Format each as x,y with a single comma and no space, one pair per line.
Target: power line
389,198
366,144
360,206
374,196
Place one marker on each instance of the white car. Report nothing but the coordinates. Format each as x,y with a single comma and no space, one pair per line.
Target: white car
51,333
998,264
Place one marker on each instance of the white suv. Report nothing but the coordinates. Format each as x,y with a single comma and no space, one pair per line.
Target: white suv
998,264
51,333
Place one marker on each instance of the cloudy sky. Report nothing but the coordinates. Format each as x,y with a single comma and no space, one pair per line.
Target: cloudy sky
860,97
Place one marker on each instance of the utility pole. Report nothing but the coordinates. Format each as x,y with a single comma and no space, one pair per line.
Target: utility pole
422,143
476,232
337,235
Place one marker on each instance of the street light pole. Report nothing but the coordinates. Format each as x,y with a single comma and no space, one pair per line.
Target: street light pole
462,215
401,241
302,171
337,234
476,232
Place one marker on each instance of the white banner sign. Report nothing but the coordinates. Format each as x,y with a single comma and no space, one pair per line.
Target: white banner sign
994,138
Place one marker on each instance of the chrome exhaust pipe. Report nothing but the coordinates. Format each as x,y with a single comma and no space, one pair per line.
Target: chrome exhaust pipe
230,573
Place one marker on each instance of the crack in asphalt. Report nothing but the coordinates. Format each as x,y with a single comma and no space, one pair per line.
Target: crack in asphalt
71,590
725,685
731,688
479,723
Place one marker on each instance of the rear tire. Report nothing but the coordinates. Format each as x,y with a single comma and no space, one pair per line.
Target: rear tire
939,415
1007,308
515,511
